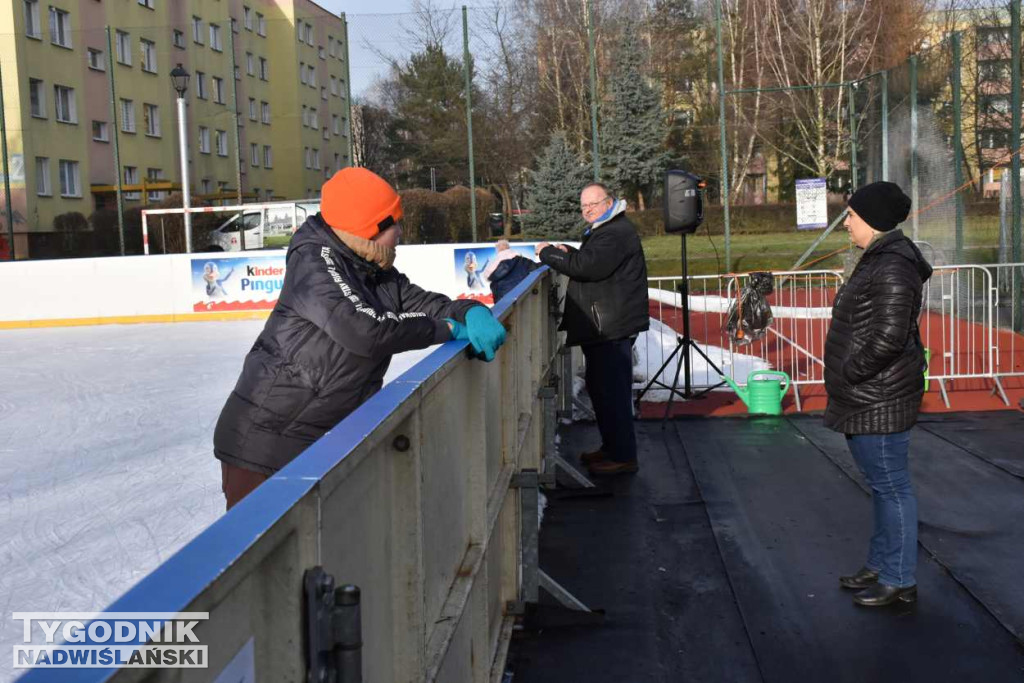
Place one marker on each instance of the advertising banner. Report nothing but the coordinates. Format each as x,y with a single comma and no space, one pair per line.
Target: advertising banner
470,266
236,284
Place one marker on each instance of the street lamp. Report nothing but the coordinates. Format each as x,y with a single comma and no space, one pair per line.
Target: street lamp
179,78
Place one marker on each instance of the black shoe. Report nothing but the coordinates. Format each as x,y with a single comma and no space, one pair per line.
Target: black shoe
862,579
881,595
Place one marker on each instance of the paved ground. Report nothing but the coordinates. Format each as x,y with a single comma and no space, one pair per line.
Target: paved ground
718,562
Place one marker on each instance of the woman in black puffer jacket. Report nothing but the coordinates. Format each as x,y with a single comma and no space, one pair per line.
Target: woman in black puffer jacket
874,376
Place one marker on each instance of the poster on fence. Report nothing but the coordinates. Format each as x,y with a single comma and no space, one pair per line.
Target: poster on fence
470,265
236,284
811,204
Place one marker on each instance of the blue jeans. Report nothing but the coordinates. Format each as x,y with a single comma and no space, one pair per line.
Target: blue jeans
882,458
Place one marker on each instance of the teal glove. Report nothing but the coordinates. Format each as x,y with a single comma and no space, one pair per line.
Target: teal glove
459,332
486,334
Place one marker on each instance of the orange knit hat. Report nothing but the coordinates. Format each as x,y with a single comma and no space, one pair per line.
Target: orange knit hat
359,202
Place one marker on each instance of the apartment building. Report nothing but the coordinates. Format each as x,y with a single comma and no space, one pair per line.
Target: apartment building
269,117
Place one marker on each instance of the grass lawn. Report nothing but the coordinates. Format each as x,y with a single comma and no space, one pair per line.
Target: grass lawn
780,250
277,240
773,251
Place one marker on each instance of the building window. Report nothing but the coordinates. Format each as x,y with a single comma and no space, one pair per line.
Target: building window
201,85
323,93
147,3
179,39
305,117
60,32
155,175
64,104
265,109
247,17
197,30
33,28
127,116
215,42
307,154
250,64
100,131
69,183
314,119
222,143
43,188
205,186
131,177
96,60
302,72
323,52
261,25
204,140
234,25
337,162
252,109
268,157
254,155
334,85
327,133
151,114
316,159
218,90
264,70
330,45
123,48
37,98
148,56
312,76
336,122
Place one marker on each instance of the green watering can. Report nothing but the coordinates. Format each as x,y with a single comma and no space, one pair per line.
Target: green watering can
763,396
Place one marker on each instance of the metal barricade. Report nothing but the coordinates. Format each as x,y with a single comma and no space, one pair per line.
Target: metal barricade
970,322
795,342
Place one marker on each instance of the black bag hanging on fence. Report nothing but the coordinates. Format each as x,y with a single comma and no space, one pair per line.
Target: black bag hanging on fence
751,314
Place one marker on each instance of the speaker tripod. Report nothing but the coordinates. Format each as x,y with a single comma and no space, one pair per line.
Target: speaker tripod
683,345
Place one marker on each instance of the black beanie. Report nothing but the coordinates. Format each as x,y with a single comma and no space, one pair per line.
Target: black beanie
882,205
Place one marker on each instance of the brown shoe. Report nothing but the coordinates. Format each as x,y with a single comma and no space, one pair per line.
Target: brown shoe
593,456
610,467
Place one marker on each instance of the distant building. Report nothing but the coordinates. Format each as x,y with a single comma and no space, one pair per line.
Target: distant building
289,83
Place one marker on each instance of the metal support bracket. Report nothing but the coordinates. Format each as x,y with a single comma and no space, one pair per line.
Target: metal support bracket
571,610
334,639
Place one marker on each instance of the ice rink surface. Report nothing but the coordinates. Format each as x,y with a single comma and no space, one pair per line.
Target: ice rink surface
106,451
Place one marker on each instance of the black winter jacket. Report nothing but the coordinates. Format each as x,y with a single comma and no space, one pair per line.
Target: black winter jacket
510,273
607,295
874,359
324,350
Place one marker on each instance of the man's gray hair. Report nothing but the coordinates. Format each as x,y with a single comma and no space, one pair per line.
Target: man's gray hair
597,184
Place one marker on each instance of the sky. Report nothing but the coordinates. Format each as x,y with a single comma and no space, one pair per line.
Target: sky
379,26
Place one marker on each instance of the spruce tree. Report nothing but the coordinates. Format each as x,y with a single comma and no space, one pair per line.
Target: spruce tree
633,132
553,197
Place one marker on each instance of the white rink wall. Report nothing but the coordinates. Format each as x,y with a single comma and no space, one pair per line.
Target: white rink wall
154,288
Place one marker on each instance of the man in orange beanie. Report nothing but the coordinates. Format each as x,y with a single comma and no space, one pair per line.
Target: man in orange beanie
342,313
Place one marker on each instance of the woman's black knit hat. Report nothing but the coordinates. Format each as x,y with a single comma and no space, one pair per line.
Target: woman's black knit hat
882,205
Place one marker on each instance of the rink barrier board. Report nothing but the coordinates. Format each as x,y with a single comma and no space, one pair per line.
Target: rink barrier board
429,529
136,319
166,288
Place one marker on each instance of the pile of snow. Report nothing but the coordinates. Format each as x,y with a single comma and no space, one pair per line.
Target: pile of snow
708,303
653,347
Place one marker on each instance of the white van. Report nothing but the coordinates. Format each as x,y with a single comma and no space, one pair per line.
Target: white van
248,229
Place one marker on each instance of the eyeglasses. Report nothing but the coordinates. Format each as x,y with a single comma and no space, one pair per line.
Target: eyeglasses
591,205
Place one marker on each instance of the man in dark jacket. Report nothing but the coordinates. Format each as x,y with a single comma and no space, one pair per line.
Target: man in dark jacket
342,313
606,307
874,376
